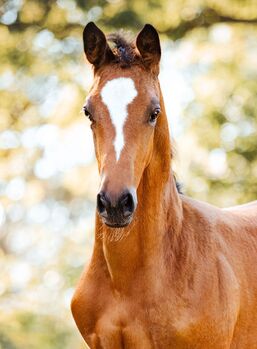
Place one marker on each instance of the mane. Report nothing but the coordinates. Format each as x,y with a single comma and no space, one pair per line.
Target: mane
179,187
124,49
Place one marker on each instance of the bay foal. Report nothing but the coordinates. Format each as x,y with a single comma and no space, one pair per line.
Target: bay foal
167,271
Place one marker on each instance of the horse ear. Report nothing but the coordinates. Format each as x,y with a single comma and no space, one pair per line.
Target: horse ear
96,47
148,44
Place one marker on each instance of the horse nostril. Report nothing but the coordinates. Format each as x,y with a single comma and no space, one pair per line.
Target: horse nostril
127,204
102,204
116,212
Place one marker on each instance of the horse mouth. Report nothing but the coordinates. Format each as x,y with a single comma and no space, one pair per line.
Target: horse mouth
118,224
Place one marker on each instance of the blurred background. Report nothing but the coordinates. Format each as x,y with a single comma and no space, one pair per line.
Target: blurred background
48,175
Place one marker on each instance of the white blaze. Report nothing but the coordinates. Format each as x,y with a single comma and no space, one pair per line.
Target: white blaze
116,95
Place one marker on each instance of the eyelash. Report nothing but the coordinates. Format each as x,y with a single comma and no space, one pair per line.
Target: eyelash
87,114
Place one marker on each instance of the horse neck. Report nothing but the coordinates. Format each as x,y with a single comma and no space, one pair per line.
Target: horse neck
140,245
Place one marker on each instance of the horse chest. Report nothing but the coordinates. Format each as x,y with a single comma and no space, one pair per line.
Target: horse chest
139,322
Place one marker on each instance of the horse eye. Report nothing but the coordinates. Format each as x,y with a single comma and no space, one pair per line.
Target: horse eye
87,113
153,116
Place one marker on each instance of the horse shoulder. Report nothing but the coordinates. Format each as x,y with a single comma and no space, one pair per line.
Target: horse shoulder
90,298
103,317
233,246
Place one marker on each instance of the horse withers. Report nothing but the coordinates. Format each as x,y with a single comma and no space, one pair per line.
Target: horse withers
167,271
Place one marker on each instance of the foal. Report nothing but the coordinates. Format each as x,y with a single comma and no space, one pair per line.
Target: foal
167,271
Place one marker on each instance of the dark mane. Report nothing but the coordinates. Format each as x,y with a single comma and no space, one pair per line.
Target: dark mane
178,184
179,187
124,49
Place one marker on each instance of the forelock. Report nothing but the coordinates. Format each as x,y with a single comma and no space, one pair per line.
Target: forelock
124,49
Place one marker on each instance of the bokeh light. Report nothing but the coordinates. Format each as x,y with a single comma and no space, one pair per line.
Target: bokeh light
48,172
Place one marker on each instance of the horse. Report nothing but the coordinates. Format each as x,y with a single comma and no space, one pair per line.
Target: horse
167,271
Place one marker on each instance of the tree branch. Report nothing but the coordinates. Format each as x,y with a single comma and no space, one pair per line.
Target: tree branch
206,18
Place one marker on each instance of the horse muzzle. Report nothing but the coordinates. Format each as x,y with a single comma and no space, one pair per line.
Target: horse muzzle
117,212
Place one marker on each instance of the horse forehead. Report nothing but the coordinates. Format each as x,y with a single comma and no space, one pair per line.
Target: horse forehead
117,93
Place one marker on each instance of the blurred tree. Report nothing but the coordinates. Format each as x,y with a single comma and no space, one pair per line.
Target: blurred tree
47,173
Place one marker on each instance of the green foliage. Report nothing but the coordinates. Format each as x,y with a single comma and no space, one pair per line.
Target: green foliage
48,177
28,330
